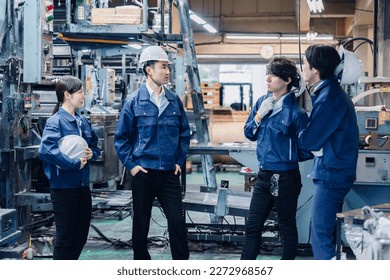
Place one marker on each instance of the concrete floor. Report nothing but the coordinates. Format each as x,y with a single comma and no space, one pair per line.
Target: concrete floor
110,232
115,234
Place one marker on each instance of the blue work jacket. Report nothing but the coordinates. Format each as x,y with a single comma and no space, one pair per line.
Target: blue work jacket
277,134
332,127
62,171
149,137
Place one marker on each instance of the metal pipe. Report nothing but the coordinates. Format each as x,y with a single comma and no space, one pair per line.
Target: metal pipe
68,13
145,9
375,39
170,16
162,15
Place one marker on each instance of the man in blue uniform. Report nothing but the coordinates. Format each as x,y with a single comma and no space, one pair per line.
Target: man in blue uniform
332,135
152,139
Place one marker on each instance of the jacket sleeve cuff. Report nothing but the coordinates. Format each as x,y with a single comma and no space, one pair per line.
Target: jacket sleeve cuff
130,165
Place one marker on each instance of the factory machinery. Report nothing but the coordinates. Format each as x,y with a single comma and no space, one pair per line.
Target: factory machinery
42,40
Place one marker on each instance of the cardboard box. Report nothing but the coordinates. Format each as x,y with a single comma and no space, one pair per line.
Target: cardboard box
129,15
227,126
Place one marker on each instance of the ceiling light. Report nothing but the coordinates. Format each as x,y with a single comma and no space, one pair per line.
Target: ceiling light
209,28
251,37
267,37
202,22
135,46
323,38
197,19
310,36
315,6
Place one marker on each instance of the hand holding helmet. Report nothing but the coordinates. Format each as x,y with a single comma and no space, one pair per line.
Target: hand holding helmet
266,106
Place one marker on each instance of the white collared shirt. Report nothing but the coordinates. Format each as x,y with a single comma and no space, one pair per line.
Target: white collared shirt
155,97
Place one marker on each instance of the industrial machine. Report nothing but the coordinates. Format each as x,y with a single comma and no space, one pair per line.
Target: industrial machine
372,109
42,40
101,45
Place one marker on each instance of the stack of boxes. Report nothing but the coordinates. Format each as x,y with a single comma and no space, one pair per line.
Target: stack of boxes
210,93
130,15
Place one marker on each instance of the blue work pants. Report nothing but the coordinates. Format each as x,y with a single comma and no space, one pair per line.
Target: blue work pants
327,202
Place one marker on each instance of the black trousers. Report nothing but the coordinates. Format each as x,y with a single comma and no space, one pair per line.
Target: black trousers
72,215
165,186
261,205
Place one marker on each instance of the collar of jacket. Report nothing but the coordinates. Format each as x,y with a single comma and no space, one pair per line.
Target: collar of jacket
66,115
324,84
144,93
288,101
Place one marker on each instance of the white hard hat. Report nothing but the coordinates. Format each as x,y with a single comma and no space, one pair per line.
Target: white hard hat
73,146
350,68
153,53
302,86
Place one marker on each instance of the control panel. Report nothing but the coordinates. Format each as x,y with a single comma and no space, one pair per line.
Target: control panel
38,40
7,222
373,167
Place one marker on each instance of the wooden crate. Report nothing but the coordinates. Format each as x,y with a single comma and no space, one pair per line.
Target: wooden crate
210,85
227,126
129,15
209,102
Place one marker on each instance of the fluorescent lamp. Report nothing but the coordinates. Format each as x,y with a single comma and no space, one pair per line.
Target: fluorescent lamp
135,46
310,36
251,37
202,22
197,19
209,28
314,37
290,38
324,38
315,6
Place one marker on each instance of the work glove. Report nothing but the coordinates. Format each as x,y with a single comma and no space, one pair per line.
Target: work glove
265,107
318,153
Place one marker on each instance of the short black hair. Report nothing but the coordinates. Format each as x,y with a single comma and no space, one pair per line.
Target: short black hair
284,68
150,63
324,58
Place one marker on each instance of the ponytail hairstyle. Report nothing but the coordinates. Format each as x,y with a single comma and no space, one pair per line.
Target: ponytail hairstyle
66,83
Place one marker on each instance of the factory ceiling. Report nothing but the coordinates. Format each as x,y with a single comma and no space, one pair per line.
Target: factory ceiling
341,19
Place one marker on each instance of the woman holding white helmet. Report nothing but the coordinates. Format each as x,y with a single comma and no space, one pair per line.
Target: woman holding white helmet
152,139
68,142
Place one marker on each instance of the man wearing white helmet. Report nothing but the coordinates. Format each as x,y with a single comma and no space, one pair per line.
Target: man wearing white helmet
152,140
332,134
